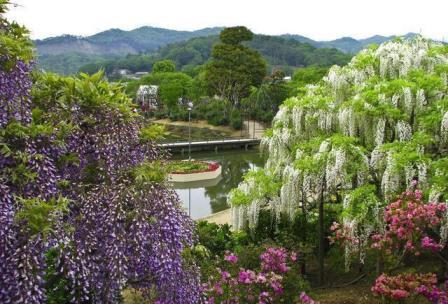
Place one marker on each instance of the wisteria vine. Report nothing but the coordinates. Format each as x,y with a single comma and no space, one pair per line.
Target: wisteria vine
77,215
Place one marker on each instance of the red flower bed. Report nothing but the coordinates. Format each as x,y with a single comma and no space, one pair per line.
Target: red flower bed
213,166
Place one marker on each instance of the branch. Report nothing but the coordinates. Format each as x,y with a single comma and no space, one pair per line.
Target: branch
345,284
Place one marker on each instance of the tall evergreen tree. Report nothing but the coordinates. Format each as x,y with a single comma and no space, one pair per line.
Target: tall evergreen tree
234,67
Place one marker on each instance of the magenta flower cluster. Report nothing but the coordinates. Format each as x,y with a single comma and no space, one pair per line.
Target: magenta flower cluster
306,299
342,234
233,284
275,259
409,223
406,286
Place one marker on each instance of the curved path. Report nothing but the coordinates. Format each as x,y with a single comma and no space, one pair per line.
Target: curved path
220,218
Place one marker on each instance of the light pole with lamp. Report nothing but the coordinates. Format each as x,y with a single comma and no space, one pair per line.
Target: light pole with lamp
190,107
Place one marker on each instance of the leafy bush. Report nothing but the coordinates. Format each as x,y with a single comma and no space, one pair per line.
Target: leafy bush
218,238
235,119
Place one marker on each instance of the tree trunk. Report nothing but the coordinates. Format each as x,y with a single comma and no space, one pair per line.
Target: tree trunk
304,233
379,264
321,251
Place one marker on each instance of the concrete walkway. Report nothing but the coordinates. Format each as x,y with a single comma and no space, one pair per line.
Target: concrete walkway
254,129
220,218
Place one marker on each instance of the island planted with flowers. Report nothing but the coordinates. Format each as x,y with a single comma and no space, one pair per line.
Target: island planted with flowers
193,170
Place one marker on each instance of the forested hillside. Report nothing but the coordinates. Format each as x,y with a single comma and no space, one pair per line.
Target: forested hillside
347,44
276,50
118,42
65,54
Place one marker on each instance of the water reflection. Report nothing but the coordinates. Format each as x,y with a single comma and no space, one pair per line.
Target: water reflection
208,197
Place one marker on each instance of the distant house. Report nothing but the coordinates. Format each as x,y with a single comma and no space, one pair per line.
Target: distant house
140,74
123,72
148,97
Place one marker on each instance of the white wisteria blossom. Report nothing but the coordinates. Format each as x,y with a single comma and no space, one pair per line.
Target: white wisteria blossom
375,124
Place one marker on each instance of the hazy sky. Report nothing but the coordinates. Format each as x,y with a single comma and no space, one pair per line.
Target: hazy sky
317,19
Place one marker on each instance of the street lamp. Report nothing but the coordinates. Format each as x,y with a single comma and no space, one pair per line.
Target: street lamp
190,107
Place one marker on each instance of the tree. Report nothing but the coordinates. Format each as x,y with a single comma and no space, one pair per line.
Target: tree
172,86
357,138
164,66
234,68
265,100
235,35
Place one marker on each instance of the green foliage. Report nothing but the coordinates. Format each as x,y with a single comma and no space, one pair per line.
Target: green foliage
279,51
150,172
239,198
308,75
265,100
236,119
14,39
362,202
152,132
91,93
215,111
440,178
39,215
187,166
233,69
164,66
172,86
219,238
235,35
190,55
69,63
57,291
264,186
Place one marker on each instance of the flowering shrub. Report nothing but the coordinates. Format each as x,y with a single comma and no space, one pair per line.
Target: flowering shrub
306,299
409,285
411,224
274,259
233,284
342,234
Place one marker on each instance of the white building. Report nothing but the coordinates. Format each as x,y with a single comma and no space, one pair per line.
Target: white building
147,97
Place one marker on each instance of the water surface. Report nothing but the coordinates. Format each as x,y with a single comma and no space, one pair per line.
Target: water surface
205,197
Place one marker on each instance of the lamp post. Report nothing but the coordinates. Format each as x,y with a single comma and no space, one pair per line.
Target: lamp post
189,201
190,107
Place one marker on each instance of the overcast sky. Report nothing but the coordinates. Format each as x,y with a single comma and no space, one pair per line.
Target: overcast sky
317,19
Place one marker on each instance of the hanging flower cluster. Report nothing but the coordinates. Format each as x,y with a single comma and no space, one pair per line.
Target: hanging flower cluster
411,224
382,96
28,178
377,123
83,206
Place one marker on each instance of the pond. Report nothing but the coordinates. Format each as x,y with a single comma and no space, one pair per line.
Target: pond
206,197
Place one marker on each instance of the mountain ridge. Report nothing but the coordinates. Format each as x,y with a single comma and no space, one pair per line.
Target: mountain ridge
67,53
161,37
118,42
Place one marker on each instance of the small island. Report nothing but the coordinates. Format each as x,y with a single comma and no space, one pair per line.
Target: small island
183,171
